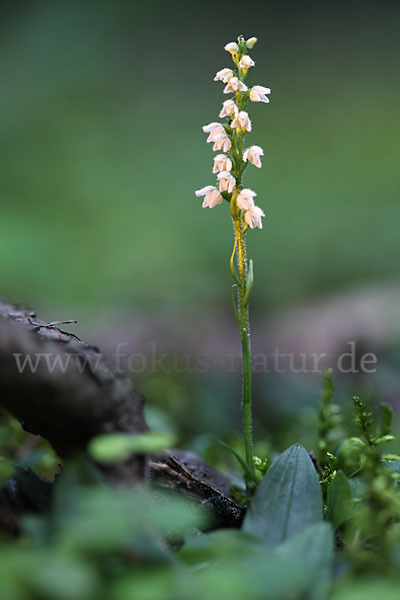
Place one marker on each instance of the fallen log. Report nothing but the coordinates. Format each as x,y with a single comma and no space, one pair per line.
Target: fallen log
60,387
63,389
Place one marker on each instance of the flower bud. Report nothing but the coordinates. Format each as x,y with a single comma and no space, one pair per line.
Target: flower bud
251,42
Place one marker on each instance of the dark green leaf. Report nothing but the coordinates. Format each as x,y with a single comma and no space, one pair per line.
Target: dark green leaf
339,500
101,520
381,588
312,551
45,574
6,469
217,544
255,576
287,500
241,461
387,416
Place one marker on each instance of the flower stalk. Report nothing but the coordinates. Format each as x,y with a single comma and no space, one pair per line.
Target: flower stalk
242,305
229,168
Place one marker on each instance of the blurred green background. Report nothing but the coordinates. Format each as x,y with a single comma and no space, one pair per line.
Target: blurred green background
101,110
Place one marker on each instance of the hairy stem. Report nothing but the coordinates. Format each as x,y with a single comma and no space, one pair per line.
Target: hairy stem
244,332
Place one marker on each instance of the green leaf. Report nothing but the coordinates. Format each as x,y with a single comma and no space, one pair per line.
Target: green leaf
387,417
5,434
371,589
6,469
261,576
222,543
339,500
248,474
383,439
348,456
100,520
390,458
78,473
112,447
312,551
250,283
258,575
287,500
393,465
157,583
45,573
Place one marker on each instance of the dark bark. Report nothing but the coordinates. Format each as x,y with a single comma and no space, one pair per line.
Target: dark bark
68,404
187,473
82,396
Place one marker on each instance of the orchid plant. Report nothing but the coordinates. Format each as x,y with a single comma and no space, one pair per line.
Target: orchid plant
228,139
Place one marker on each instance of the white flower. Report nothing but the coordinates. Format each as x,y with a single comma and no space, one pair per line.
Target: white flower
223,75
227,182
212,197
258,93
228,108
222,142
245,200
242,120
253,154
251,42
213,129
232,47
253,217
235,85
246,62
217,134
222,163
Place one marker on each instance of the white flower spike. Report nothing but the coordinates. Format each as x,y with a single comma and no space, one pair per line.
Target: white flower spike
245,200
229,108
246,62
241,120
229,167
253,217
224,75
222,141
235,85
222,163
258,93
226,182
252,155
212,197
232,48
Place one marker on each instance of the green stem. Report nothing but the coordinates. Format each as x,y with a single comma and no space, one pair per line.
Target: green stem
244,332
